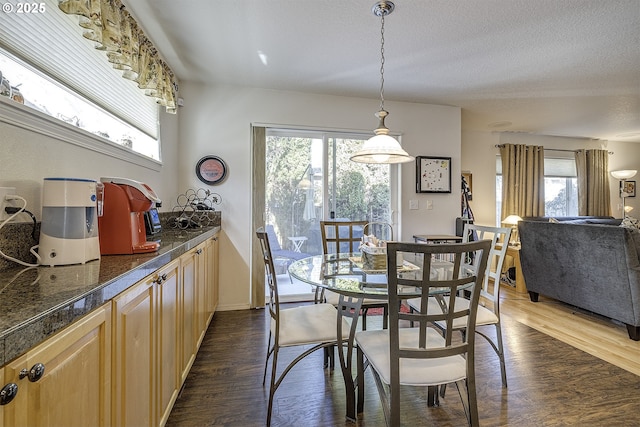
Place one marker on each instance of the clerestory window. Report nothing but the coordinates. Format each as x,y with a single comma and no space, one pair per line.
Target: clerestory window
50,70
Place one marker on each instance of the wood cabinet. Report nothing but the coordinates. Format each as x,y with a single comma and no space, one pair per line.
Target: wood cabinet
147,334
75,388
134,356
189,322
199,298
124,363
158,327
212,278
168,341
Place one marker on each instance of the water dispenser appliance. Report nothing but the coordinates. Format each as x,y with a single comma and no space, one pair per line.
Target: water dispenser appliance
69,229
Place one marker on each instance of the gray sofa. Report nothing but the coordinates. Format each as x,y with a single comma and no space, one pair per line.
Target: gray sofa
587,262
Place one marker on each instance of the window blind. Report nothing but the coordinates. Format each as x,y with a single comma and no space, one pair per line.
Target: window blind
52,43
553,167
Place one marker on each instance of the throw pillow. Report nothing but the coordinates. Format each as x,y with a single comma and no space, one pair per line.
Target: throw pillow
630,222
554,221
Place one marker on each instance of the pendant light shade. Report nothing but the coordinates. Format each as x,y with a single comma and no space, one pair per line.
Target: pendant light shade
382,148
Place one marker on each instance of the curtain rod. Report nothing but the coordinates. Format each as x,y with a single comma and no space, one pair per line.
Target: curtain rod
554,149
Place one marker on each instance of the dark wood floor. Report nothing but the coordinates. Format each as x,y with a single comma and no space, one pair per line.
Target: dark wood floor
550,384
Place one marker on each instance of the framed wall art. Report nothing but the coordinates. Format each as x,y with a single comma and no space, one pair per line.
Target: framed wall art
628,187
433,174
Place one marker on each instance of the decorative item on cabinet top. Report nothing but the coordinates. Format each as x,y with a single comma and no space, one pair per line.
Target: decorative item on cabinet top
194,209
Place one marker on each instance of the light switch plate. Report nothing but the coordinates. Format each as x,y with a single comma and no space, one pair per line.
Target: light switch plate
413,204
429,204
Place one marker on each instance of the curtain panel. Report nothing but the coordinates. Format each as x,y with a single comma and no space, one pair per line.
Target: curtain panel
113,29
594,195
258,203
522,180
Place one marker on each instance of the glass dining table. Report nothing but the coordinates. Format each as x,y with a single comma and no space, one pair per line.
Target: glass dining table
347,275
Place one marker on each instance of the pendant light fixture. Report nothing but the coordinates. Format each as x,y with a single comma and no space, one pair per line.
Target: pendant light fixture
382,148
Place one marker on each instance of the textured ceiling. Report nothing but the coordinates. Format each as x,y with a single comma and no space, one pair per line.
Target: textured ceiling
553,67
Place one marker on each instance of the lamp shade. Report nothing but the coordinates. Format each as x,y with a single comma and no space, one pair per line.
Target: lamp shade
624,174
381,149
511,220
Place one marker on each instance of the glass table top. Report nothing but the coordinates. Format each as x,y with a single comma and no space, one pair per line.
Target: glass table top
346,275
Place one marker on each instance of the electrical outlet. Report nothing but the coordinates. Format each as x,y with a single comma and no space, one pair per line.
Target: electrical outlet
5,191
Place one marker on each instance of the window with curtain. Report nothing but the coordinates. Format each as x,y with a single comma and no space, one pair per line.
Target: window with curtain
560,185
48,66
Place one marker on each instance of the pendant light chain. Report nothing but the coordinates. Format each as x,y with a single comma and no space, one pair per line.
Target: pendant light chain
382,63
381,148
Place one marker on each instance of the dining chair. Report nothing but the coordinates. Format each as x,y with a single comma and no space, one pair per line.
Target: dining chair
343,237
310,327
489,308
421,356
340,236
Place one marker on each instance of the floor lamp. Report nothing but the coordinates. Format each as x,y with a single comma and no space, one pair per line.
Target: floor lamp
623,175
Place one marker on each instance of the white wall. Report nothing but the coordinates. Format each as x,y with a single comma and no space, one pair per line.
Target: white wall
27,157
216,120
479,157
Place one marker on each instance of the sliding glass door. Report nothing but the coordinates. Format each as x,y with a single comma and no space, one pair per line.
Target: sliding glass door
309,177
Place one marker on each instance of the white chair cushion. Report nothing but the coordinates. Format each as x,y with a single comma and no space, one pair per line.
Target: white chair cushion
414,372
332,298
484,316
309,324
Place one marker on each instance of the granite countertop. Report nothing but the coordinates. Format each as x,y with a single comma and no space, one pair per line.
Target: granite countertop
37,302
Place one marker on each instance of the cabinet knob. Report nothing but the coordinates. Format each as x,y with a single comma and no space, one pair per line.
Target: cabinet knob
164,276
34,374
199,251
8,392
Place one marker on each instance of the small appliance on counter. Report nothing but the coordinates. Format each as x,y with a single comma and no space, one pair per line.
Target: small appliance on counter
152,221
69,229
122,224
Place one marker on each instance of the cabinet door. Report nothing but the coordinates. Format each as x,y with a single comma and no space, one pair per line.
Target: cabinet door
134,354
168,336
202,252
212,277
188,312
75,387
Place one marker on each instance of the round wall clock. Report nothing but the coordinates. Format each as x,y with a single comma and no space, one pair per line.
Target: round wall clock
211,170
